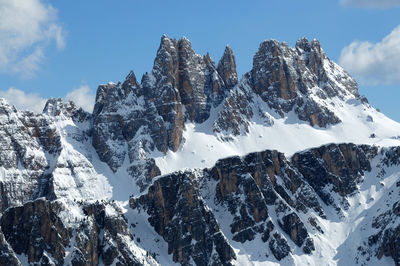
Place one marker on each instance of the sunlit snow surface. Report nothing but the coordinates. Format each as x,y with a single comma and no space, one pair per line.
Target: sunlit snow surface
93,180
202,147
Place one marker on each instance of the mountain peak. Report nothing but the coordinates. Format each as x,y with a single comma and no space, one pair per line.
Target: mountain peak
63,170
56,107
227,68
303,44
315,44
131,79
185,42
6,107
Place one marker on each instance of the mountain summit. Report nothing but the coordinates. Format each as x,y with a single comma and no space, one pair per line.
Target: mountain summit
192,165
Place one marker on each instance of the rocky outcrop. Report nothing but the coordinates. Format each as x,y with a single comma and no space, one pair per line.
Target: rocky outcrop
7,255
104,236
193,79
56,107
385,236
385,241
237,111
134,119
179,214
279,247
284,78
238,190
300,79
243,191
39,231
246,186
35,230
25,138
55,192
340,166
227,68
31,146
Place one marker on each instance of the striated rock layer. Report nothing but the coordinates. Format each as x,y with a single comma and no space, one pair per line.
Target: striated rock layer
271,201
133,120
79,188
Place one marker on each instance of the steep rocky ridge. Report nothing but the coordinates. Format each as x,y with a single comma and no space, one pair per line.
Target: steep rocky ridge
39,232
134,123
31,144
300,79
66,175
140,127
136,119
274,208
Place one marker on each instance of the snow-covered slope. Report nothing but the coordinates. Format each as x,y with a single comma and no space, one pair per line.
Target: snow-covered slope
142,180
292,99
361,124
332,205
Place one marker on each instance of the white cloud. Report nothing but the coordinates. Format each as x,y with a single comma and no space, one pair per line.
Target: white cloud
81,96
374,63
371,3
26,29
24,101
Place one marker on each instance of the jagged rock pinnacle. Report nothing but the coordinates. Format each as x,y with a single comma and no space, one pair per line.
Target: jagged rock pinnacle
227,68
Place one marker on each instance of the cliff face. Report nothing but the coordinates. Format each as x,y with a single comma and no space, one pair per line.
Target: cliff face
41,232
264,198
135,119
268,168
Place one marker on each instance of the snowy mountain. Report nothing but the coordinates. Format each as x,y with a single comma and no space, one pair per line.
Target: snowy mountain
288,165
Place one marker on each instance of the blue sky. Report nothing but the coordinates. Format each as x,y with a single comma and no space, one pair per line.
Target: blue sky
74,46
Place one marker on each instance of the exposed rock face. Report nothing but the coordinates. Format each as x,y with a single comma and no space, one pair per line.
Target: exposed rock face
385,241
237,111
247,186
46,155
239,191
135,119
25,139
340,166
300,79
37,230
178,213
279,247
227,68
7,255
131,120
56,107
104,237
388,238
236,196
55,190
116,125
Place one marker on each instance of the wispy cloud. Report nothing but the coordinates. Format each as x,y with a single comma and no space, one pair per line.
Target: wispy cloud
374,63
24,101
26,29
81,96
371,3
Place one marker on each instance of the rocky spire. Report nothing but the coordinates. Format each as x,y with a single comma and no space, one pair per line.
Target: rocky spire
56,107
182,76
166,63
5,107
271,68
303,44
316,58
131,79
227,68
